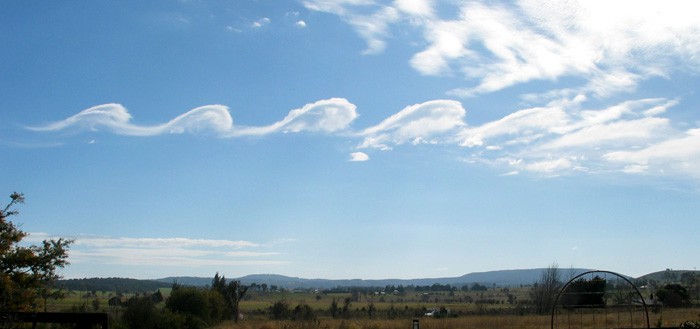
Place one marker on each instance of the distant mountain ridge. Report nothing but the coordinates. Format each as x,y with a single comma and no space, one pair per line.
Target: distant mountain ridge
499,278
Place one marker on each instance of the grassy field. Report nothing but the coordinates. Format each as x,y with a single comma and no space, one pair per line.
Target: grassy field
470,309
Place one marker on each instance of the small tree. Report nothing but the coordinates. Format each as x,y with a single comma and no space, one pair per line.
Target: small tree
27,273
545,290
280,310
334,308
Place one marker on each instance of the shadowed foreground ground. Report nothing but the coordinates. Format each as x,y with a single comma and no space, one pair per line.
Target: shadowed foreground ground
665,318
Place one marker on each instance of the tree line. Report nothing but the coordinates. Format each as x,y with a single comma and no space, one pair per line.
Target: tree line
116,285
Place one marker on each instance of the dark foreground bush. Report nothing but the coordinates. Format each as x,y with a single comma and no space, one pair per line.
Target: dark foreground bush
690,325
141,313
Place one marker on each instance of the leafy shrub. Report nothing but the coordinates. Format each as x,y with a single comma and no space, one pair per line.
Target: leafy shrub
690,325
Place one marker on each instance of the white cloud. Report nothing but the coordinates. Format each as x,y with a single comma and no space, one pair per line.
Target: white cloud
94,241
166,257
611,46
261,22
523,125
423,123
565,137
300,24
327,116
561,137
620,133
371,20
116,118
161,242
330,115
358,157
549,166
680,154
165,251
423,8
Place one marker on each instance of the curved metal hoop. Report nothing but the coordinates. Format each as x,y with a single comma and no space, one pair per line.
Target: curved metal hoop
556,301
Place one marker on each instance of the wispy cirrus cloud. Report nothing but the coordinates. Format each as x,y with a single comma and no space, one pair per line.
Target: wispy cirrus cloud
564,136
497,45
372,25
672,156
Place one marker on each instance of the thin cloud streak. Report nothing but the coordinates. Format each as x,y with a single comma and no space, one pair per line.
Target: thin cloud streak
166,251
160,257
668,157
146,242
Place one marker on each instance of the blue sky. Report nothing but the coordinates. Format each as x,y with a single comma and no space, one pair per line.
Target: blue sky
354,138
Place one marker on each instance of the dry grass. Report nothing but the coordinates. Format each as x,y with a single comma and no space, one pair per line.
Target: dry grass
666,318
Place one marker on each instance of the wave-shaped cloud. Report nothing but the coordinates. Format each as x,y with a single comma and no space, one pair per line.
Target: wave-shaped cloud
560,137
421,123
330,115
116,118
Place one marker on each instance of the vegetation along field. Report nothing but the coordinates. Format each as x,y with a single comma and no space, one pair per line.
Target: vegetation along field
151,304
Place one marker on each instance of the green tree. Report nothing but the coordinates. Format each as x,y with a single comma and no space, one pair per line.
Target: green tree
232,292
673,295
140,313
200,308
27,273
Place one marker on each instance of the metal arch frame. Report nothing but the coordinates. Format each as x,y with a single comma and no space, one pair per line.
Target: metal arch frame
556,300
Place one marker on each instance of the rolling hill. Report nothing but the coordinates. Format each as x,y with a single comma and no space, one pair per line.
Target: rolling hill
500,278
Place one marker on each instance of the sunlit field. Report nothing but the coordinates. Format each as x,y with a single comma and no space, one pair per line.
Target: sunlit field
398,312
